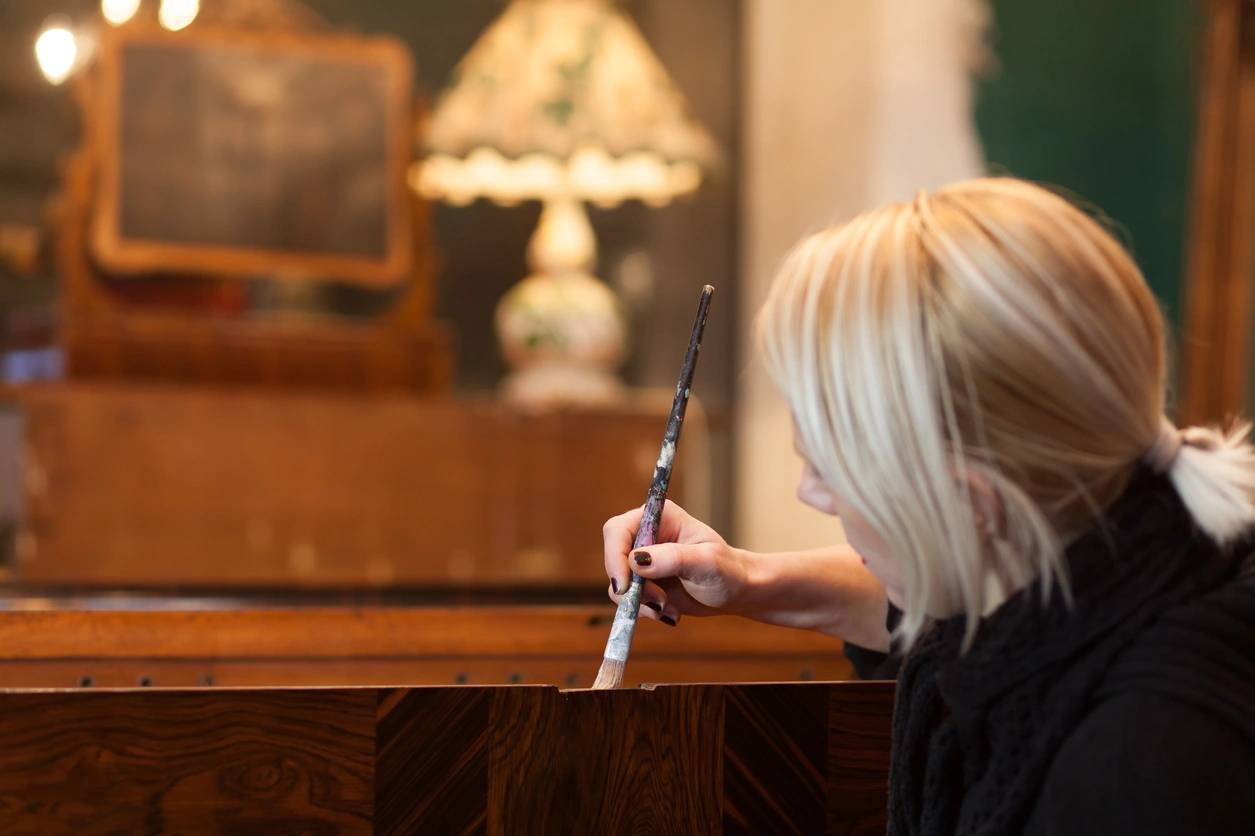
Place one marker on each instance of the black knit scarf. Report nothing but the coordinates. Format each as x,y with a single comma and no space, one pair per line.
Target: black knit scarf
975,734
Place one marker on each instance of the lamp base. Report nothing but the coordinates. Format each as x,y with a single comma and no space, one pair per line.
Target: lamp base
554,385
563,336
561,330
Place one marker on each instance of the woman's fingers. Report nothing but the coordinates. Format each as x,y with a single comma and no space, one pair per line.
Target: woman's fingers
619,533
617,536
654,603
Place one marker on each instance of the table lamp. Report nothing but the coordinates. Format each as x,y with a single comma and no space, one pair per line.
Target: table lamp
561,101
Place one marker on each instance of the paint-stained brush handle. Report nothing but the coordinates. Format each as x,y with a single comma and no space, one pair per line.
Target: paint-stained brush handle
629,605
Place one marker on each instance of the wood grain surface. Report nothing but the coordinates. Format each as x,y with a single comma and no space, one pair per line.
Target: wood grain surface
190,762
677,759
439,786
639,760
776,752
367,645
860,718
161,487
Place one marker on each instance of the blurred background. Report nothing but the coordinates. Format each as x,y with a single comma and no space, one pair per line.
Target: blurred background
377,307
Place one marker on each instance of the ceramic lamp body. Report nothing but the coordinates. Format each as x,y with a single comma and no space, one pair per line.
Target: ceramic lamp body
561,330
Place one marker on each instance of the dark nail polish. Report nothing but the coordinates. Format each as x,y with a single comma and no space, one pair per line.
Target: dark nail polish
614,586
668,620
654,605
642,558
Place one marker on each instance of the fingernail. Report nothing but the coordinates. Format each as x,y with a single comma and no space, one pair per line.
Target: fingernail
614,586
654,605
642,558
667,620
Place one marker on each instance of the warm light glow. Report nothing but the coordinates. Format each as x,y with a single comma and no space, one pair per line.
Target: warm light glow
56,52
562,98
590,174
177,14
118,12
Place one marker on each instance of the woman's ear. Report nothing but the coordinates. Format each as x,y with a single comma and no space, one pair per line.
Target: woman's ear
987,505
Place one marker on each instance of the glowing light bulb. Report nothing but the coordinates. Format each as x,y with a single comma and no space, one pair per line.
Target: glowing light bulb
56,51
118,12
177,14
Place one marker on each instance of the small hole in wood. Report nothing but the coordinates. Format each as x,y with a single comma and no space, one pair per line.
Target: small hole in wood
145,681
516,678
207,679
572,679
461,679
806,675
85,682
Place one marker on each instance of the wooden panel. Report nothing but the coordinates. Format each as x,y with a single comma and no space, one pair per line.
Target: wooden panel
149,486
564,672
454,760
649,760
183,348
559,645
661,760
242,762
439,786
859,734
323,632
776,751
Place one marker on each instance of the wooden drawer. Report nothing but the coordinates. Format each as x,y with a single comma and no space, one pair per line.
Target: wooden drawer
147,486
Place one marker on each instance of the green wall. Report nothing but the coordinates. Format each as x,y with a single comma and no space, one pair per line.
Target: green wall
1097,96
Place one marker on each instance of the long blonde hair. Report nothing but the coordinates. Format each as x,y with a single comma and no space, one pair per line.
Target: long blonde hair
988,334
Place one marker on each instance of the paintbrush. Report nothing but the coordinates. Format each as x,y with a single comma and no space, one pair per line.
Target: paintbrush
610,675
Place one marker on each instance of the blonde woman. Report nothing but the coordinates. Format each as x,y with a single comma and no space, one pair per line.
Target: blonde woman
1058,577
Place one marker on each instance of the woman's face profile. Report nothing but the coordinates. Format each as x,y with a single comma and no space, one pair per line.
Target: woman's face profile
812,490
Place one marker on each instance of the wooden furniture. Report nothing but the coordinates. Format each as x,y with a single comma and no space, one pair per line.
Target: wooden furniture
804,758
1219,282
135,486
161,268
122,641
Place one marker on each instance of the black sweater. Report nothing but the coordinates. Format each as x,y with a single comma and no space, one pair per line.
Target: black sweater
1131,713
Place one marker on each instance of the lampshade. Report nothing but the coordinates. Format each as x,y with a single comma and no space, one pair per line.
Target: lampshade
562,98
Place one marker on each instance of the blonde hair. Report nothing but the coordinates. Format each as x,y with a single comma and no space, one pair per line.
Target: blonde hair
989,339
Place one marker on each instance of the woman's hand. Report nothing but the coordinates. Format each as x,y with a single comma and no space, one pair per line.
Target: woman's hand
690,570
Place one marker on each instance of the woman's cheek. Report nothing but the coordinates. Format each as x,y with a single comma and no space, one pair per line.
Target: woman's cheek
812,492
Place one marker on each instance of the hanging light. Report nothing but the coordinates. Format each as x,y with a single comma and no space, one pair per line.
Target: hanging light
56,49
177,14
118,12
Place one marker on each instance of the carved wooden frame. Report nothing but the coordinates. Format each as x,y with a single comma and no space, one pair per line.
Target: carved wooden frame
121,255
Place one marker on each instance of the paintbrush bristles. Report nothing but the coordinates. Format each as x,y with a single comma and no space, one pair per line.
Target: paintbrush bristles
609,675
